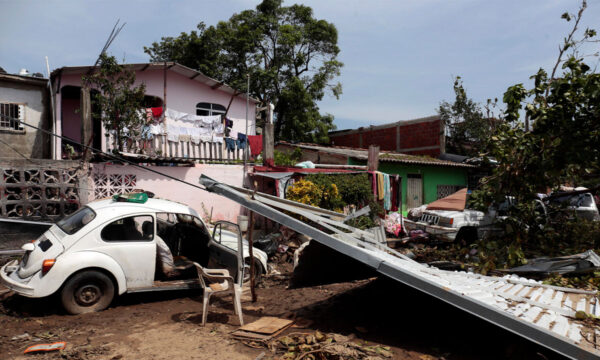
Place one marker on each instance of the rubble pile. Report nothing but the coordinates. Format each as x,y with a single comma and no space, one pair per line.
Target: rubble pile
318,345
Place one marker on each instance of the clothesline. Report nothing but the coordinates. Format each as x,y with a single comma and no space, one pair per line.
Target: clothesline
386,188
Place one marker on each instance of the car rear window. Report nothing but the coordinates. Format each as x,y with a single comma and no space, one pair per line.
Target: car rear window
74,222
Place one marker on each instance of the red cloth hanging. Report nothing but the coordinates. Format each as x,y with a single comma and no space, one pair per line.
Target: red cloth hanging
256,144
394,185
157,111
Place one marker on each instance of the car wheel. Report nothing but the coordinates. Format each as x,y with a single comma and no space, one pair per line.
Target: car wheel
258,271
87,291
466,236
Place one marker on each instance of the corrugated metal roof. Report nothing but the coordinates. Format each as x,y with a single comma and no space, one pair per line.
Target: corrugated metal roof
363,154
542,313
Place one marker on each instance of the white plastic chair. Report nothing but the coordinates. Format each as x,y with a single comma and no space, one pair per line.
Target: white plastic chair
221,281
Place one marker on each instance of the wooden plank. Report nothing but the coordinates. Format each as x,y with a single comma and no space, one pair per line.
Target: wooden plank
267,325
373,159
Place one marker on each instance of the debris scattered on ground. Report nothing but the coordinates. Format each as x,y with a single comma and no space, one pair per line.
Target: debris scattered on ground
60,345
572,264
319,345
261,330
393,224
21,337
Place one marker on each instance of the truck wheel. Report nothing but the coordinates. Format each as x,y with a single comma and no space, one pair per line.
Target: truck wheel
87,291
466,236
258,271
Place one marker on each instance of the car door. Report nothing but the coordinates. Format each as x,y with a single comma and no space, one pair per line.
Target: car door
129,240
224,257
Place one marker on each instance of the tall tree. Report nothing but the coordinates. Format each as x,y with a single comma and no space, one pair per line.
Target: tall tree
290,55
468,128
117,98
563,146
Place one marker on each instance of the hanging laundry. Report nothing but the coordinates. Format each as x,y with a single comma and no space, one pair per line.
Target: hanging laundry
373,183
157,111
218,128
380,190
205,134
207,120
230,144
256,144
242,140
195,134
394,185
173,133
156,129
185,134
228,123
216,138
387,196
146,133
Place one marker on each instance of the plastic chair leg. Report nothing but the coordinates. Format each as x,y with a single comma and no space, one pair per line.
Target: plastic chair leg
205,300
237,304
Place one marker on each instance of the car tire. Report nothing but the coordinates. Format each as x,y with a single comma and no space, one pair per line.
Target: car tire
466,236
87,291
258,271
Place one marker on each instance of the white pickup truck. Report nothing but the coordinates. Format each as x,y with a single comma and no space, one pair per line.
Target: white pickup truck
451,225
469,225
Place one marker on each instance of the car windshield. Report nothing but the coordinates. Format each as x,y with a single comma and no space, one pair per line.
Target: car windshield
74,222
581,200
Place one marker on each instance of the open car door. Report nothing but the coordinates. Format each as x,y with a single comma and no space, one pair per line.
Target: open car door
222,257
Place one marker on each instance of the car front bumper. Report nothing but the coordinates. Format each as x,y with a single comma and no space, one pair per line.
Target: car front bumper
440,232
14,285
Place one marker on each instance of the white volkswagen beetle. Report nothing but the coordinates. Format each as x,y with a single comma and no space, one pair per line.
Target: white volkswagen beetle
109,247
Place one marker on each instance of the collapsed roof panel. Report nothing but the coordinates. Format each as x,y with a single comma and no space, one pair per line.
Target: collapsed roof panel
541,313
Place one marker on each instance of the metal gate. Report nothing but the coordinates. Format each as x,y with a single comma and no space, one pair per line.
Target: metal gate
414,191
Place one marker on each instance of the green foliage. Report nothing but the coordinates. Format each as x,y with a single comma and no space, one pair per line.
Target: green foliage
291,58
354,189
563,147
282,158
117,99
468,128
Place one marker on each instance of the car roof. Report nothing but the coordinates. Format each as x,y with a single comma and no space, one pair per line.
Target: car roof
152,205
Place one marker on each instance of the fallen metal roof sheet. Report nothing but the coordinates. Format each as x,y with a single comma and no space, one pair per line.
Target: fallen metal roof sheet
541,313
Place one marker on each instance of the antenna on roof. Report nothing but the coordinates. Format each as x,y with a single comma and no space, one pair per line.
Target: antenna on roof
113,34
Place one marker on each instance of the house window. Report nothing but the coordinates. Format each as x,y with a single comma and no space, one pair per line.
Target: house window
204,109
447,190
9,113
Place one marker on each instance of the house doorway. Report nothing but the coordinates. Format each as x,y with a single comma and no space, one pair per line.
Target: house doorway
414,191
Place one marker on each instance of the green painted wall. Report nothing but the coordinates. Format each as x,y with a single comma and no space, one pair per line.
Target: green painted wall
432,177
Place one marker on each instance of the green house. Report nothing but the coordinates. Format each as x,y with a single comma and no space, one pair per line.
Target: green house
423,179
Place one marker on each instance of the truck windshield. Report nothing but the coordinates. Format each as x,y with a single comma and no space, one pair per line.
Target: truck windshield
74,222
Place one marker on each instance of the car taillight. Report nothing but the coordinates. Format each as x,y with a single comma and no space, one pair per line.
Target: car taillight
47,265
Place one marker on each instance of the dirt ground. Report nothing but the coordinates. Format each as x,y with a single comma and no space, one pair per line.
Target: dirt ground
168,325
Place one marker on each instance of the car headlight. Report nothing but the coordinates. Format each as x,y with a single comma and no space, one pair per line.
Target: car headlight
445,221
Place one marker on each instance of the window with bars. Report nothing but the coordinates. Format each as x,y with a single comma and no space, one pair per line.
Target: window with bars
204,109
447,190
9,112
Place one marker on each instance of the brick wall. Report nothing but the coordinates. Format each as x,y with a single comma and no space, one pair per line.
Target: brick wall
416,137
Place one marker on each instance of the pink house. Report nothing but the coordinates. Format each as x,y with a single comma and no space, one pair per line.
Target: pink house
180,90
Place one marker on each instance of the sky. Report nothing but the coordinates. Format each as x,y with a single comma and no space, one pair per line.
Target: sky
400,57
